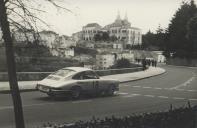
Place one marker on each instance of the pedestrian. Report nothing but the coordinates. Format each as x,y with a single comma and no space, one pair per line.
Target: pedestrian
155,63
143,64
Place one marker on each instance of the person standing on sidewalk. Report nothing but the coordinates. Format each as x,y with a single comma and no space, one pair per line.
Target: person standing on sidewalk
143,64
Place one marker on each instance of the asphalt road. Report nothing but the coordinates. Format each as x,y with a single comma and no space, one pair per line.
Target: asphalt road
176,87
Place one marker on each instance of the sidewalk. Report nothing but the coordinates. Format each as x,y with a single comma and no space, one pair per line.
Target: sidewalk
127,77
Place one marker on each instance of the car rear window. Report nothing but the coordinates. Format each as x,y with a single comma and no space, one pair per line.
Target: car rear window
63,72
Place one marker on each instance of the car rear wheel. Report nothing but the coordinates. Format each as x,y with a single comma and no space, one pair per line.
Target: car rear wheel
76,92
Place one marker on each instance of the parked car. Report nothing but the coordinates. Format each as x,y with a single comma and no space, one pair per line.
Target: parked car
74,81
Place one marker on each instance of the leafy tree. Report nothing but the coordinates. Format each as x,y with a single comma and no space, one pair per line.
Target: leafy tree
82,50
122,63
154,41
113,38
177,30
97,37
149,40
192,35
105,36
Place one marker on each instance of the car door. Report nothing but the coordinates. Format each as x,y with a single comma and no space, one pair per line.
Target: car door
84,81
93,77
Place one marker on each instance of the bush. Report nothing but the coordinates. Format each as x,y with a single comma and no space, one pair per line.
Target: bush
122,63
177,118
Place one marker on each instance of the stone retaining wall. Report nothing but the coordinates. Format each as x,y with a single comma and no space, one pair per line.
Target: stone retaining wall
29,76
182,62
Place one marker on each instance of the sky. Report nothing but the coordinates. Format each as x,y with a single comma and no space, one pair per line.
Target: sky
144,14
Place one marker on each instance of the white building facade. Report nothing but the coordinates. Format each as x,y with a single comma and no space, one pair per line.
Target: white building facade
126,55
120,28
90,30
105,60
123,31
48,38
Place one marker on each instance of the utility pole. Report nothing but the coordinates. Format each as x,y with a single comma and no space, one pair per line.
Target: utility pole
4,24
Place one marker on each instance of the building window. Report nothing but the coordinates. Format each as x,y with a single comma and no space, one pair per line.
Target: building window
124,31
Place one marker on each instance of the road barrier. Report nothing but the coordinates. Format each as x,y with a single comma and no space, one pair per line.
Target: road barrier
29,76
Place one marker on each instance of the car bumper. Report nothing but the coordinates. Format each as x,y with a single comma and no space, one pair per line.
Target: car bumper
52,91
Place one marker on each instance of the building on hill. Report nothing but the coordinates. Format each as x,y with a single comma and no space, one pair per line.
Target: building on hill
126,55
118,46
159,57
66,41
57,45
90,30
48,38
105,60
77,36
123,31
120,29
24,36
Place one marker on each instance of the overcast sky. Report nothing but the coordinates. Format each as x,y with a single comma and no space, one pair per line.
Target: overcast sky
144,14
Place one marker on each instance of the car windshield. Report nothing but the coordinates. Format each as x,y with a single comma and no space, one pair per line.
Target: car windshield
63,72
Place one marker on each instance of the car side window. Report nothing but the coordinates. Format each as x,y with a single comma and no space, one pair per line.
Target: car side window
90,75
85,75
78,76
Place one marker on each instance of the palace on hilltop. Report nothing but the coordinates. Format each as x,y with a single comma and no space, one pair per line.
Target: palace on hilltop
120,28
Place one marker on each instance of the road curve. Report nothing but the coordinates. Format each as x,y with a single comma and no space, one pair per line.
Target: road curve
177,86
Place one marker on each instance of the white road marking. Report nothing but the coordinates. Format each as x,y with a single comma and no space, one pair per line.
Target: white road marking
41,104
167,88
186,83
191,90
149,96
31,105
158,88
178,98
126,85
122,93
6,107
81,101
193,99
131,95
164,97
136,86
179,89
146,87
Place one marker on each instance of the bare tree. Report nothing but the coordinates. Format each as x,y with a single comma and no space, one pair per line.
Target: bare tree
18,15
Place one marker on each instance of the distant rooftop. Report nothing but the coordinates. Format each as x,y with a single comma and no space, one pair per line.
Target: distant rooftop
93,25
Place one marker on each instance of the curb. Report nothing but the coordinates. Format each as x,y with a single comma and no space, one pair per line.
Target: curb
143,77
31,90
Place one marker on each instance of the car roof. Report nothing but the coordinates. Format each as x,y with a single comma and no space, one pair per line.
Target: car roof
78,69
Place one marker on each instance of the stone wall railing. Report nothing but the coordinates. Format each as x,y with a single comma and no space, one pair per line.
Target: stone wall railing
31,76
